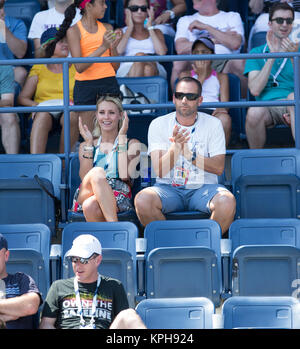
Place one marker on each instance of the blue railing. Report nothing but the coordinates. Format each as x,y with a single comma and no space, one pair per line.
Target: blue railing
66,108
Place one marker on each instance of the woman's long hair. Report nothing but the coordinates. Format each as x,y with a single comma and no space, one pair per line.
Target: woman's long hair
112,99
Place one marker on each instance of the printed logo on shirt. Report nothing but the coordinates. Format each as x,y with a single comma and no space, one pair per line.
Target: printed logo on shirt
103,308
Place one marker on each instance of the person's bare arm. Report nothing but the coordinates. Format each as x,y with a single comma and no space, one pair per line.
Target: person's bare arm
20,306
230,38
256,6
17,46
26,95
47,323
179,9
183,46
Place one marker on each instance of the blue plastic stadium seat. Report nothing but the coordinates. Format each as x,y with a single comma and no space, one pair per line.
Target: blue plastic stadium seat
173,247
74,182
177,313
114,13
24,10
29,246
31,263
23,199
261,313
156,89
266,183
119,252
265,256
265,231
257,39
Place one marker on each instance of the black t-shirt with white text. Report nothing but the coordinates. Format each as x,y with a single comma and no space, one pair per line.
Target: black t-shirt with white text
61,302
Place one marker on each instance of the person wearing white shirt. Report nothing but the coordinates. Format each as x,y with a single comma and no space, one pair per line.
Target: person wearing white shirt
44,20
187,150
224,28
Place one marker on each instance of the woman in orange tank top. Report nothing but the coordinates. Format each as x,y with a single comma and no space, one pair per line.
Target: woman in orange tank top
91,38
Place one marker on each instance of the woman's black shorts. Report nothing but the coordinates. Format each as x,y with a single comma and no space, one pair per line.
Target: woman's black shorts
88,92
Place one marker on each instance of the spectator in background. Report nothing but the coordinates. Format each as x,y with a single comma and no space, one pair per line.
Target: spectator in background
53,17
262,7
141,40
20,299
215,86
9,122
226,30
44,87
91,38
13,42
187,150
163,16
105,302
272,79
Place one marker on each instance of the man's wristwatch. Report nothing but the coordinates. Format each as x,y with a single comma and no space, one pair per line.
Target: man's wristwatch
172,14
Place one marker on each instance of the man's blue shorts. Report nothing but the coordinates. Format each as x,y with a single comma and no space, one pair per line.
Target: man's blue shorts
179,199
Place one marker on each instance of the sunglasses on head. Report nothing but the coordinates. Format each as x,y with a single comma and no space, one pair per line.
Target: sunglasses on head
135,8
82,260
189,96
280,20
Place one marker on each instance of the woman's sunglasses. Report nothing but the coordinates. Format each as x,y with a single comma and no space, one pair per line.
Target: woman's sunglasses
135,8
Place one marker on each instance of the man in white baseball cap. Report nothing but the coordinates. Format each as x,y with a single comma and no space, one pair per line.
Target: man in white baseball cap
88,300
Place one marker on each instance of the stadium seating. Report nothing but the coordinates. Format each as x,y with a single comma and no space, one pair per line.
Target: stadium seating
24,9
156,90
264,231
74,181
29,246
266,183
22,196
118,241
261,313
177,313
257,39
264,257
183,259
114,13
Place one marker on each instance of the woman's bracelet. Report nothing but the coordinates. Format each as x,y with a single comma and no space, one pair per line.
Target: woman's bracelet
151,27
122,148
88,148
87,157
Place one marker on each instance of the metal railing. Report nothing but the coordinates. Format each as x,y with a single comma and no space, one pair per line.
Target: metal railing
66,108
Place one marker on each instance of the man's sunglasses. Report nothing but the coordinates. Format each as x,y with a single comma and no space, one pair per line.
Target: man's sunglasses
82,260
280,20
189,96
135,8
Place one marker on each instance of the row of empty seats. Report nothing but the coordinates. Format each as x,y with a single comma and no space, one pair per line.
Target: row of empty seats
237,313
175,259
33,188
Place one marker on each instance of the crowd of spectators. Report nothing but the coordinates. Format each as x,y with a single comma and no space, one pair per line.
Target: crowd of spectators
146,26
184,145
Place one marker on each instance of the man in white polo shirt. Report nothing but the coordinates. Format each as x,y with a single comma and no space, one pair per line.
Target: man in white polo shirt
187,150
